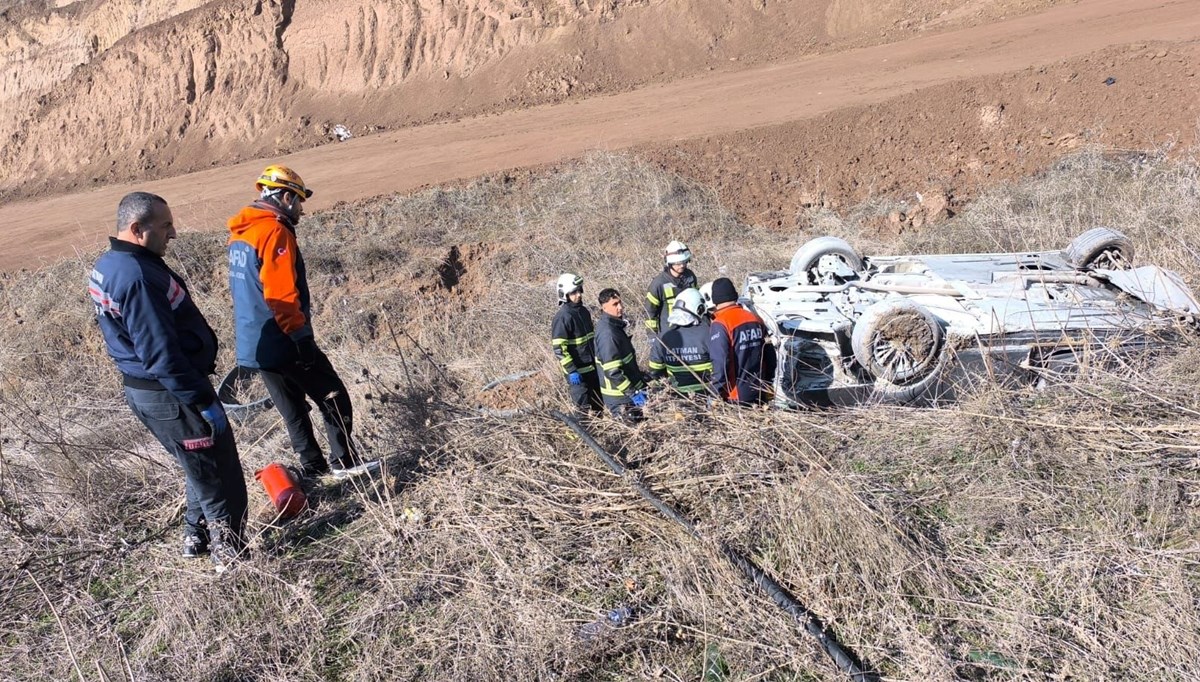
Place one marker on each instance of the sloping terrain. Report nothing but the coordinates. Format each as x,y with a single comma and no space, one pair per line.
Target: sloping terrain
1021,534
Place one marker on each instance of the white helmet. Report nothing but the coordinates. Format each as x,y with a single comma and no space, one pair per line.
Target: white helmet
688,310
677,252
568,284
706,294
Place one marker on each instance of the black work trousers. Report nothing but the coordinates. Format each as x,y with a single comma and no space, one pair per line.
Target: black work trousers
289,387
212,473
586,395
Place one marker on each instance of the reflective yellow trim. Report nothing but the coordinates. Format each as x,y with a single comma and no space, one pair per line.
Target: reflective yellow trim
580,370
652,325
611,365
566,360
650,297
574,342
657,365
702,367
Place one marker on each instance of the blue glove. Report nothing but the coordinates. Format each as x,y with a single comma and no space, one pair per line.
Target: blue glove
215,416
638,399
574,379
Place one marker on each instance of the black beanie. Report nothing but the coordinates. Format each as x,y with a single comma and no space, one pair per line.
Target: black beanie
723,291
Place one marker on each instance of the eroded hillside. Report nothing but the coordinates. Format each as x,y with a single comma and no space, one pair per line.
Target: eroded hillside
108,90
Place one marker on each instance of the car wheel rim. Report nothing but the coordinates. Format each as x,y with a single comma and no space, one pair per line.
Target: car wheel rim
904,348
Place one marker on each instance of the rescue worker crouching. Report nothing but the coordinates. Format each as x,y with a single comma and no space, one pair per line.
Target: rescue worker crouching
621,383
573,339
742,356
674,278
686,346
272,317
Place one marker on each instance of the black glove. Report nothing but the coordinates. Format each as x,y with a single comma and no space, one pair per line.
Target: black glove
306,349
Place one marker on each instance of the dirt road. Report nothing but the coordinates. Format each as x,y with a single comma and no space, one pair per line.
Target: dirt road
404,160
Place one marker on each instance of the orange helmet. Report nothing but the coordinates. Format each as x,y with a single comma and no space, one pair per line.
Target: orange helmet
283,177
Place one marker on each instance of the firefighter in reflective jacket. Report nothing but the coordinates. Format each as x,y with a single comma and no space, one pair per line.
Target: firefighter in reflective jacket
574,343
675,277
686,345
621,382
743,360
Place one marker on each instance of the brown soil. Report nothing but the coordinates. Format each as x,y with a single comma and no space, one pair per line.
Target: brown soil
941,111
938,146
112,90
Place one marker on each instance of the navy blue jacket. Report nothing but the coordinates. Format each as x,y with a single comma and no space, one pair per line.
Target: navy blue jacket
743,362
153,330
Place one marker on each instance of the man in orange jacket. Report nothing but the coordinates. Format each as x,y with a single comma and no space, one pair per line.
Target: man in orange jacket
743,359
273,321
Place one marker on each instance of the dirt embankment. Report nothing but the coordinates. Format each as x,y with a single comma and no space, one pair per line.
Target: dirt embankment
937,147
112,90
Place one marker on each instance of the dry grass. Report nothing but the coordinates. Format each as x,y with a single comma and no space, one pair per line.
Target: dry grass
1021,534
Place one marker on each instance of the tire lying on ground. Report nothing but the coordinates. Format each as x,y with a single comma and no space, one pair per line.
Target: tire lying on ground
240,393
810,254
1100,247
900,344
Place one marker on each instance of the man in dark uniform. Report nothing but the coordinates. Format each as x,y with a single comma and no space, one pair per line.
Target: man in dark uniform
165,351
674,278
574,342
743,359
686,346
621,382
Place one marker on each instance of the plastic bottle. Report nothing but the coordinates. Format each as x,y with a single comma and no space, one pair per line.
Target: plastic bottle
282,489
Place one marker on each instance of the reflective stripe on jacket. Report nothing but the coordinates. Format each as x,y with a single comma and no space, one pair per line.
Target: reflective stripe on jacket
687,357
620,376
269,284
152,329
573,338
743,361
661,296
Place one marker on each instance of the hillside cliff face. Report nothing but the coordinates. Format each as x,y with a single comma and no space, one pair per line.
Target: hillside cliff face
109,90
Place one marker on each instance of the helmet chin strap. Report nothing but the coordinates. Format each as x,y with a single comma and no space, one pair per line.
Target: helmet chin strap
279,197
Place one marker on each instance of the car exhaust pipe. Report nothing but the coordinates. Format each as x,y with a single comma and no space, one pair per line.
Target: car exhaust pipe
845,660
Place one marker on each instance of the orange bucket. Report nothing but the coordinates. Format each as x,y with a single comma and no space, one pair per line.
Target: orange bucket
282,489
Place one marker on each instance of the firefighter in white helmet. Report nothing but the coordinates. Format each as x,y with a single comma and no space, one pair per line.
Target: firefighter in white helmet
706,296
685,345
674,278
574,345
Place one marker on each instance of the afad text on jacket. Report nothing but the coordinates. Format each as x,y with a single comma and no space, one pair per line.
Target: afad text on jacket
271,304
743,361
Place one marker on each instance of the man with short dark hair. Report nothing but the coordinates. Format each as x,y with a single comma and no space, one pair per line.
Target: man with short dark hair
743,360
621,383
165,351
269,284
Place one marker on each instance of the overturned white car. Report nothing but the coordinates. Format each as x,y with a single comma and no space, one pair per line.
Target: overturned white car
913,329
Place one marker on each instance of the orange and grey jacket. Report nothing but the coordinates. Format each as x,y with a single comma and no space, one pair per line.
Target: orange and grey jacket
269,287
743,363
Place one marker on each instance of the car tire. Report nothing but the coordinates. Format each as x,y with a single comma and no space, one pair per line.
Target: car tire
898,342
228,390
809,255
1101,247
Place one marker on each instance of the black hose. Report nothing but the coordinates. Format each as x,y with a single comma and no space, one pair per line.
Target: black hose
846,661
